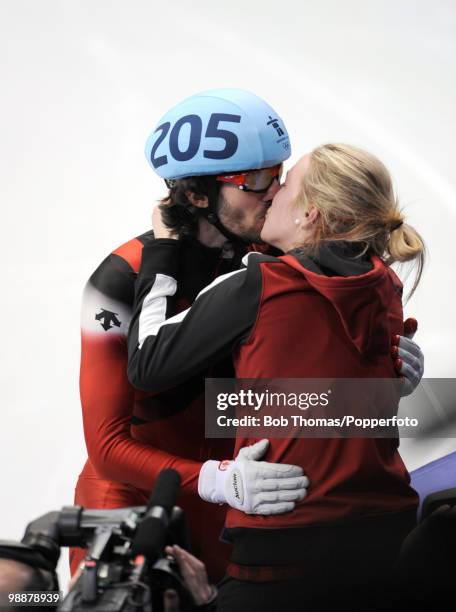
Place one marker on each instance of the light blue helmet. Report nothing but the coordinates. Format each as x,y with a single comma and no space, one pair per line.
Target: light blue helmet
217,132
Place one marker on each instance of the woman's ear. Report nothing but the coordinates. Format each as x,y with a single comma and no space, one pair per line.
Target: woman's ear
197,200
312,214
310,218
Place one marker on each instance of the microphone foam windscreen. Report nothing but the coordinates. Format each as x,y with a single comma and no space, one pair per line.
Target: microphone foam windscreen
166,490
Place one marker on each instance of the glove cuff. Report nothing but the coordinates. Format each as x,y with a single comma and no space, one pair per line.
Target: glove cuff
211,481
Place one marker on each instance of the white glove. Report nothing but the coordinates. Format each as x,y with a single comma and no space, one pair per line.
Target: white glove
412,368
409,358
255,487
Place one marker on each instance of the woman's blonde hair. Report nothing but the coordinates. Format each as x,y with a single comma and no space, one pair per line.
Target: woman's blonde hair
353,192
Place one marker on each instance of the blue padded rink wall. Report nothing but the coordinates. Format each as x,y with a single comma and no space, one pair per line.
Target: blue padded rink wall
434,476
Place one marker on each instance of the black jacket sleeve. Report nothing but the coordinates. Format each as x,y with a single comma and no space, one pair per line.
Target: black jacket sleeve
164,352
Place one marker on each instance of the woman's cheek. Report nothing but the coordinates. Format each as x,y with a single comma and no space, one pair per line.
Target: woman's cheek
264,234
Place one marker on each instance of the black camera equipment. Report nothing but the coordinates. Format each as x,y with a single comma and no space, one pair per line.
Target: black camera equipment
437,499
125,566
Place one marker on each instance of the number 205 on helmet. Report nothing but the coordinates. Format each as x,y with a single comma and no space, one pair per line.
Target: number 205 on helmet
217,131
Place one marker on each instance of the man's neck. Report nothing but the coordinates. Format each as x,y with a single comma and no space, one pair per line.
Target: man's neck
209,235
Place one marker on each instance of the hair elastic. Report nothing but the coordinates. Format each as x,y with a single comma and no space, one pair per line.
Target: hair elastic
396,226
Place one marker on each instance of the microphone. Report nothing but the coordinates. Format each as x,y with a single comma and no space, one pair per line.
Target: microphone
150,538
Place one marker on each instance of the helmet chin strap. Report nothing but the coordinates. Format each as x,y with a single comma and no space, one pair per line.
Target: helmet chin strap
212,218
211,215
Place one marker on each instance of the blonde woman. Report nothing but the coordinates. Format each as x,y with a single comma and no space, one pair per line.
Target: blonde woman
327,308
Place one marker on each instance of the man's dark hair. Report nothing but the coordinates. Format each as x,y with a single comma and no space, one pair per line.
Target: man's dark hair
178,214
